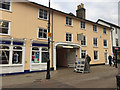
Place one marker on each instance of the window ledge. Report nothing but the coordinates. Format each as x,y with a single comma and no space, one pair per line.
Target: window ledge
38,63
84,45
69,25
83,28
95,46
12,65
5,10
4,34
43,19
42,38
96,60
95,31
106,47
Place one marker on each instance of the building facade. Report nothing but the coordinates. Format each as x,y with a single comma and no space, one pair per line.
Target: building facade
115,37
24,38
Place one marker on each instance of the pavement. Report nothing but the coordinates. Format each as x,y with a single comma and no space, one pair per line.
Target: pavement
102,76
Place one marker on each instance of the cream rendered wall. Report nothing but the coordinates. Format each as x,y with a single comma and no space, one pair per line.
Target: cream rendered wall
60,28
25,23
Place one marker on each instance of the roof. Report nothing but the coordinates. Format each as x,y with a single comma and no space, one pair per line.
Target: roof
68,14
111,24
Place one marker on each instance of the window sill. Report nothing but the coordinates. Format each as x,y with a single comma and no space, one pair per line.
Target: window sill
96,60
69,41
69,25
43,19
5,10
42,38
95,46
12,65
95,31
38,63
84,45
83,28
105,47
4,34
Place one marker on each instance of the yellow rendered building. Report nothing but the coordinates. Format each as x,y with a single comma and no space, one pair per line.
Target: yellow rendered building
24,38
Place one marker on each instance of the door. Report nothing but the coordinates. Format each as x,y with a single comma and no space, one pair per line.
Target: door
71,57
106,58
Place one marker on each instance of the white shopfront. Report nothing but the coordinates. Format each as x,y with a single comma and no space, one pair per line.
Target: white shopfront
38,55
12,55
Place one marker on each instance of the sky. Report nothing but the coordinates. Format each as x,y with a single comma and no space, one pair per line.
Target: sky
95,9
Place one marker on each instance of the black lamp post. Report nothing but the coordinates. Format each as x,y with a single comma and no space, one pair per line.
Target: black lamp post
48,61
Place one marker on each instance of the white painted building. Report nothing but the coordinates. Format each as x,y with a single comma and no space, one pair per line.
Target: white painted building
115,36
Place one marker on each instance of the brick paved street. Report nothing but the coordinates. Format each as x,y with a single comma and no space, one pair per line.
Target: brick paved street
100,77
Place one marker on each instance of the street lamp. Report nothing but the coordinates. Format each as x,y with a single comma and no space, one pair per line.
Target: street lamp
48,61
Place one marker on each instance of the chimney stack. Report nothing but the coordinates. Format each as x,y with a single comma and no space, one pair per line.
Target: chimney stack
80,12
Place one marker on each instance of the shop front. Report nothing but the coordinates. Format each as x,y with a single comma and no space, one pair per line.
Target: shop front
38,56
116,52
12,55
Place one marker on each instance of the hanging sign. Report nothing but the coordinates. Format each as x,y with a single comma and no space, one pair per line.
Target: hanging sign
50,35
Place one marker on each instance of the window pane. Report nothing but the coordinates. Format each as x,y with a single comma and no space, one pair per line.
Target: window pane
4,47
44,57
35,48
45,14
17,57
41,13
35,56
4,57
18,48
4,30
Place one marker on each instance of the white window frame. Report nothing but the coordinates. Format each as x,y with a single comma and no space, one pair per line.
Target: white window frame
83,51
85,41
9,29
71,37
9,54
97,56
38,33
41,55
93,42
95,28
10,8
18,50
106,43
82,23
43,14
103,31
67,23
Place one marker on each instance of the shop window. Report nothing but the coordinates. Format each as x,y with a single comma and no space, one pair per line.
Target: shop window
44,55
35,55
4,27
42,33
4,55
43,14
5,4
17,55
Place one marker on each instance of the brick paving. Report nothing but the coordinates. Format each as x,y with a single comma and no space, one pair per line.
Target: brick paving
99,77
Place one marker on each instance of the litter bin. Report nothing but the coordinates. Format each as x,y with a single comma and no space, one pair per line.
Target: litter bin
118,82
